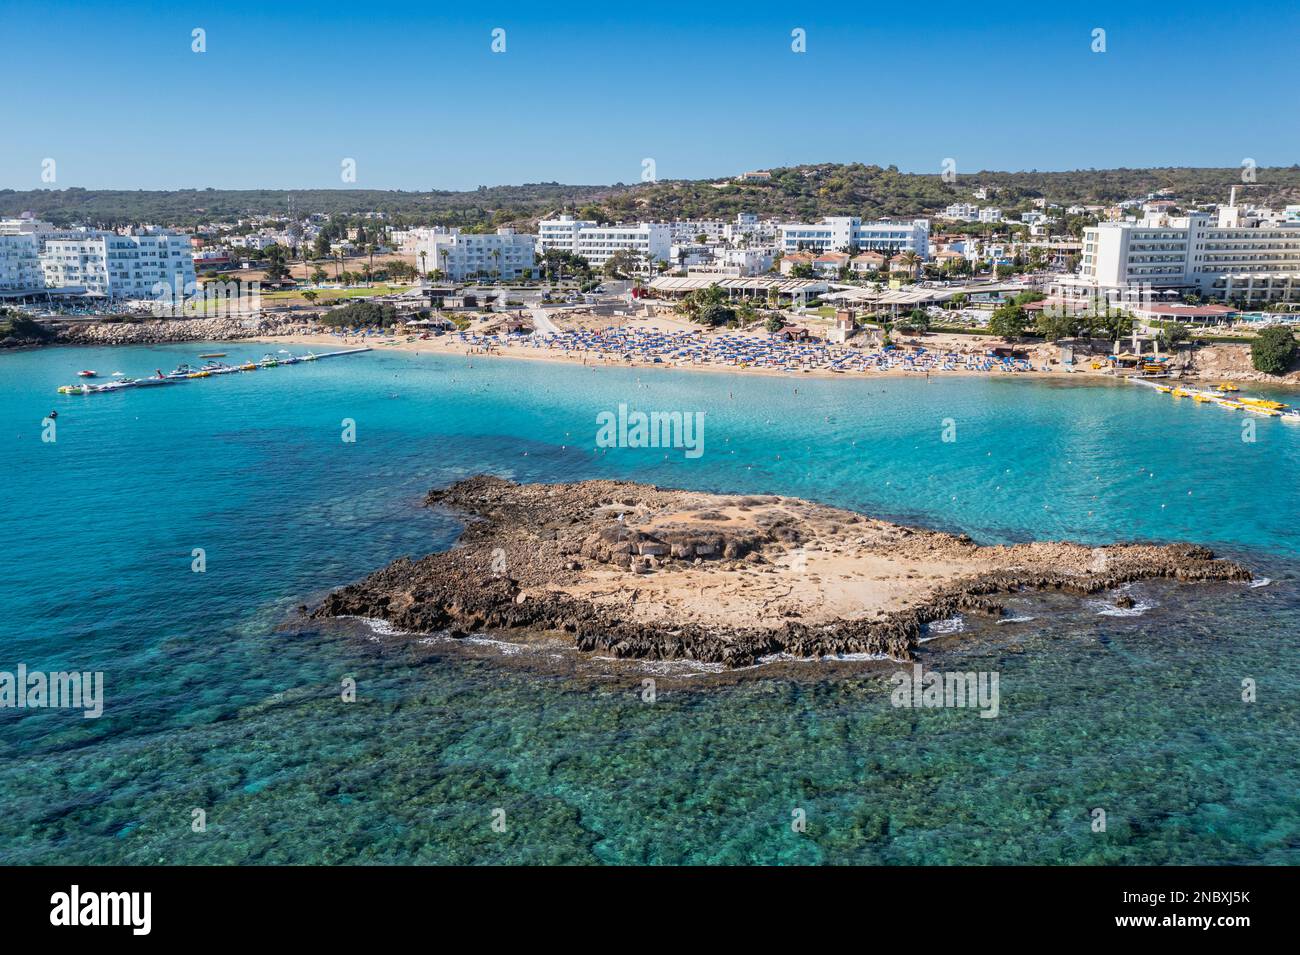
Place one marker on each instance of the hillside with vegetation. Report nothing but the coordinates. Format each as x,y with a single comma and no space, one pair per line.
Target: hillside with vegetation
796,192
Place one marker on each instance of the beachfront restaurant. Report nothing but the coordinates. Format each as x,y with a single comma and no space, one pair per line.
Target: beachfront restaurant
760,288
908,297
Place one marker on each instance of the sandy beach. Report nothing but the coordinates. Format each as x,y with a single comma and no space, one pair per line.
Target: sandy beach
521,347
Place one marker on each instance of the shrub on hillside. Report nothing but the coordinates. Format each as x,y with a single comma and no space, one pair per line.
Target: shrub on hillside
1273,350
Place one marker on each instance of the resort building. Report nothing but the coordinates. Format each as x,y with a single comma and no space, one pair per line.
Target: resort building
119,266
748,229
866,262
27,225
255,242
794,260
20,265
460,255
851,234
652,241
687,254
829,264
746,261
1251,257
213,259
962,211
560,233
689,230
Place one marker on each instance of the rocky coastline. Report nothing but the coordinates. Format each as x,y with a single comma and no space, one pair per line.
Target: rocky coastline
161,331
635,571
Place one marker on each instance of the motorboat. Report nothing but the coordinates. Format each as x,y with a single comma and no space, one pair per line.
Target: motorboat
87,374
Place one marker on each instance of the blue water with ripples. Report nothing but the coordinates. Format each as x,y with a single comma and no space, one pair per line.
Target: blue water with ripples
219,697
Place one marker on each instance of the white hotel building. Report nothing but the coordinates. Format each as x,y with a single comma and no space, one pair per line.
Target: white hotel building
748,230
20,255
596,243
851,234
1233,256
467,255
20,265
119,266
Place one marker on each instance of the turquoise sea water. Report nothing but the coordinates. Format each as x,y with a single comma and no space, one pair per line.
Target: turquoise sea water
218,697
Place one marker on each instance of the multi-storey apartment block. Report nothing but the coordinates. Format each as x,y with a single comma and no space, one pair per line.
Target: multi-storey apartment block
652,241
20,264
851,234
119,266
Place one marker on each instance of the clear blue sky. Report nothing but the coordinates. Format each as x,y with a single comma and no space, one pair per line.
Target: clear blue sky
113,93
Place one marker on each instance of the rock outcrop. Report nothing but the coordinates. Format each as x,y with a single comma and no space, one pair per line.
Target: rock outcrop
157,331
633,570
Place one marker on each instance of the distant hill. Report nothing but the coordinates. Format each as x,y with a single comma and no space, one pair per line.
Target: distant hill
799,192
496,205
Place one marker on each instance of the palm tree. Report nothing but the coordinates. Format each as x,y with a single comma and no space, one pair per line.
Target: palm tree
424,263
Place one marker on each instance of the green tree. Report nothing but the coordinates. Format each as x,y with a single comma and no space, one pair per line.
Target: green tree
1055,323
1273,350
1115,324
622,263
277,267
1008,321
774,324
